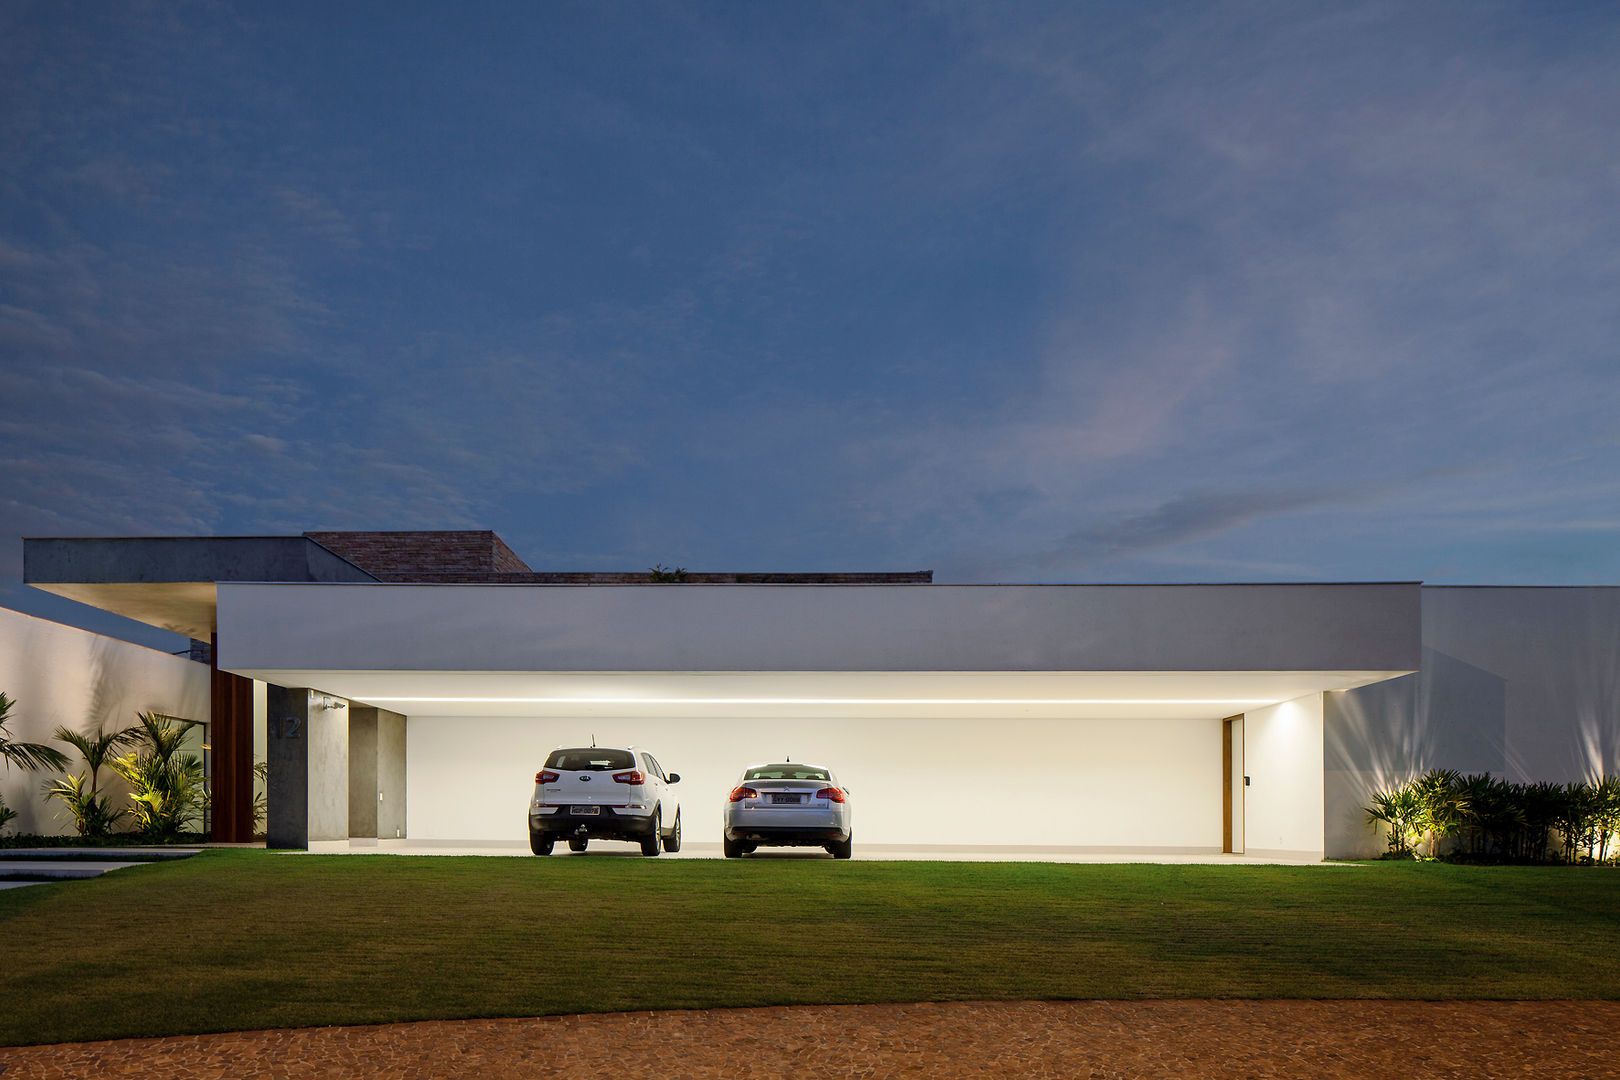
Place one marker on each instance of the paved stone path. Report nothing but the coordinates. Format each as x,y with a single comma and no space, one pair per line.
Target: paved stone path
1095,1040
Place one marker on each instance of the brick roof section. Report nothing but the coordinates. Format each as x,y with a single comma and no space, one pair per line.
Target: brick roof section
481,557
423,556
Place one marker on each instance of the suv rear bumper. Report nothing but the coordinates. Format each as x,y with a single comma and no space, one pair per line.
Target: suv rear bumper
609,823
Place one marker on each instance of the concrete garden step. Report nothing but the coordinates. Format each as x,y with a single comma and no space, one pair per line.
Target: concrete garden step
120,854
31,866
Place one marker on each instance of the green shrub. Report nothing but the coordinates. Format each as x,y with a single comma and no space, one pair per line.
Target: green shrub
166,787
1492,819
1400,811
93,815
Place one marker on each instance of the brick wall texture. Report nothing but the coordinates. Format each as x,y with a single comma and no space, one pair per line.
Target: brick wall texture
423,556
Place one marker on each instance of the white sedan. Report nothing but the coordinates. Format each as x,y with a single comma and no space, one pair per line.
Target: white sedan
787,805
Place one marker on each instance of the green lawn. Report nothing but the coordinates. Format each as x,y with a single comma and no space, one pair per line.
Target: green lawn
247,939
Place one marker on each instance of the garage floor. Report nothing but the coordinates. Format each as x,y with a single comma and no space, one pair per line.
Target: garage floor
611,849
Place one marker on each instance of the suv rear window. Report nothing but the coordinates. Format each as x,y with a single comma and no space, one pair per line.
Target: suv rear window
592,759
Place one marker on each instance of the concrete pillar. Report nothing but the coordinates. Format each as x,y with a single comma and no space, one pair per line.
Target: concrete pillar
309,767
363,771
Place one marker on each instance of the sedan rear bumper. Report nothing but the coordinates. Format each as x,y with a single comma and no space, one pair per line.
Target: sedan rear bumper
786,835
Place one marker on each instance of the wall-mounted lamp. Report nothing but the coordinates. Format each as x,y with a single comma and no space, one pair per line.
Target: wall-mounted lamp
329,702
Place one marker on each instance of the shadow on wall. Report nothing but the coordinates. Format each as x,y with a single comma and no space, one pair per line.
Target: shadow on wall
64,677
1452,715
1572,729
1559,651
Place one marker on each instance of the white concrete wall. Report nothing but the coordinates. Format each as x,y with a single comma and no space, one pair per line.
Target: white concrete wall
329,773
1282,754
62,675
1071,783
1523,683
265,629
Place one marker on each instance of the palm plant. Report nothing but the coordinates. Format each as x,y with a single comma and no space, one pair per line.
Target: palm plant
1501,815
25,755
1541,801
166,796
92,814
1607,813
1573,819
1400,809
1444,804
165,735
97,750
1477,789
6,814
166,786
261,803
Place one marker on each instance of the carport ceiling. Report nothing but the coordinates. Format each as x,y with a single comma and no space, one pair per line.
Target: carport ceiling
1102,695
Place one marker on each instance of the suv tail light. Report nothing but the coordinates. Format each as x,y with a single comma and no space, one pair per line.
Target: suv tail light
546,776
831,794
634,776
738,794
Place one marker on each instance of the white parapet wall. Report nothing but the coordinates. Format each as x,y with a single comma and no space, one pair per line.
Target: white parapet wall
60,675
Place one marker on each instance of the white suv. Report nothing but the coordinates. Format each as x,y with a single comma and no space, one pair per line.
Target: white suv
604,793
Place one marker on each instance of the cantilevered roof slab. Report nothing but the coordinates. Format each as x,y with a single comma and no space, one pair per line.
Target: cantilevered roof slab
969,651
740,628
168,581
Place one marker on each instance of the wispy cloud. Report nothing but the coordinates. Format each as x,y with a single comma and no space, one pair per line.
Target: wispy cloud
1057,291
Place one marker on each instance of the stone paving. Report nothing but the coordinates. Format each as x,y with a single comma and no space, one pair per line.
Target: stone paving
1095,1040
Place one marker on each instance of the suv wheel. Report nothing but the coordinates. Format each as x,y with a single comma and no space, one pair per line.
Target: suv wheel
577,843
540,844
649,843
672,842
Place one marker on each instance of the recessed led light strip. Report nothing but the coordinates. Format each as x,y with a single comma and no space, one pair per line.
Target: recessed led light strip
812,701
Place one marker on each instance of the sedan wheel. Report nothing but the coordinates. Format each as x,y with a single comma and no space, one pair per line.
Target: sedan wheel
732,848
649,843
841,849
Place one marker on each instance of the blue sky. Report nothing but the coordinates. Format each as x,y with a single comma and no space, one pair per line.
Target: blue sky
1016,292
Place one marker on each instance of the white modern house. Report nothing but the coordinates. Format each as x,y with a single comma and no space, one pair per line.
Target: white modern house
409,685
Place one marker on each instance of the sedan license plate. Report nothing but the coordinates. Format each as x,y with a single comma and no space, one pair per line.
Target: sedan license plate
777,799
586,811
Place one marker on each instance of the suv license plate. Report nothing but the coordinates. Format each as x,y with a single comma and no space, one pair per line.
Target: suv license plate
586,811
794,799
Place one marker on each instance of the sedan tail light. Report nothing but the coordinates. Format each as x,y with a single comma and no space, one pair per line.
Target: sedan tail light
634,776
831,794
738,794
546,776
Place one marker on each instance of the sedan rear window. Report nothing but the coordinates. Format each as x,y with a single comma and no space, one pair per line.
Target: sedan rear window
593,759
785,772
